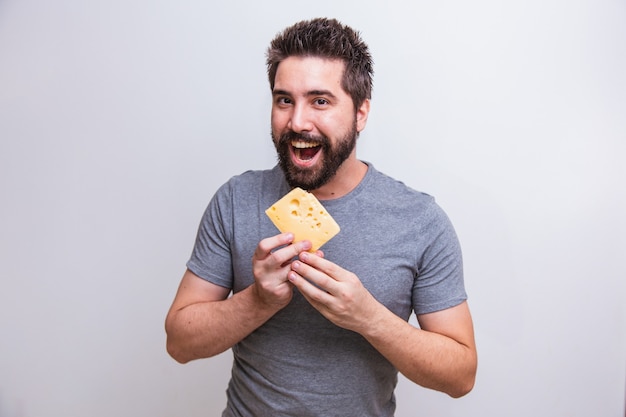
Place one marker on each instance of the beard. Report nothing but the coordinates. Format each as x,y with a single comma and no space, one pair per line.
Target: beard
333,156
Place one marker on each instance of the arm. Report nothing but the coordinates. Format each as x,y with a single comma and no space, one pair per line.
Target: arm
203,321
440,355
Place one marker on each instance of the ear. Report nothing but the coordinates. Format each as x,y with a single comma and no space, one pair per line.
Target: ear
361,115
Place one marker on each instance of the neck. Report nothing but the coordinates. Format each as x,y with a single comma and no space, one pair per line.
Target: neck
348,176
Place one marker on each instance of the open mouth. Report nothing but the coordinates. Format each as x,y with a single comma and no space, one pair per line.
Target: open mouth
305,151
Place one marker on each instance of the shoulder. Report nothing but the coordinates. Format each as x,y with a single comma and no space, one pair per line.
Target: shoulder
389,190
255,182
255,178
392,196
251,189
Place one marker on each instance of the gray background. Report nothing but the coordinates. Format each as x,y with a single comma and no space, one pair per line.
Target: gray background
119,119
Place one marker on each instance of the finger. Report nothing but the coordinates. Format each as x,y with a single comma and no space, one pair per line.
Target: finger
284,255
314,294
287,254
321,264
267,245
314,276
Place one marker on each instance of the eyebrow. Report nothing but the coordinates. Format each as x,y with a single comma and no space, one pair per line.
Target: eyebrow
327,93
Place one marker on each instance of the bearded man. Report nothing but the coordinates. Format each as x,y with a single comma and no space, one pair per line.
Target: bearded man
324,333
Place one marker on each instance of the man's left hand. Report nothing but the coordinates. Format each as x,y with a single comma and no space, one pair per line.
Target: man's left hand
335,292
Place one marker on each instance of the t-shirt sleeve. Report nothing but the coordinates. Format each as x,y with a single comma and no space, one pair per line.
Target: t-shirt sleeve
439,284
211,257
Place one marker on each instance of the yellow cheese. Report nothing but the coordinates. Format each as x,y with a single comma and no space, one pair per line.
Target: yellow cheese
300,213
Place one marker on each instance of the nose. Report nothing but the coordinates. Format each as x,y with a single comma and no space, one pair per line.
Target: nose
300,119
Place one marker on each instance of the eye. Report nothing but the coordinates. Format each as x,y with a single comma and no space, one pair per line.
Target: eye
320,101
283,101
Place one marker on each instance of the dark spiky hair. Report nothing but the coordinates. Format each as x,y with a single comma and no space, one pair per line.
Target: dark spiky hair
330,39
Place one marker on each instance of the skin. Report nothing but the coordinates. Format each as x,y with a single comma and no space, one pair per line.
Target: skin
309,100
203,321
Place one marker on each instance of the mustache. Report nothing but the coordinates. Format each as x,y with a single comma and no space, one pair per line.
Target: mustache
290,136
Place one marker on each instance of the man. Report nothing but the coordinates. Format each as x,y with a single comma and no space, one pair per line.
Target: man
324,333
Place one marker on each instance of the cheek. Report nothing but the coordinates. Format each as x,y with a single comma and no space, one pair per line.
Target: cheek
279,118
335,125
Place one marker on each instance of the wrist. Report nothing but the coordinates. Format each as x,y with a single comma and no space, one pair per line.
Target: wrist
269,302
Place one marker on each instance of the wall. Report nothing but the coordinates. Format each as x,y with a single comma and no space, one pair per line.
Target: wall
119,119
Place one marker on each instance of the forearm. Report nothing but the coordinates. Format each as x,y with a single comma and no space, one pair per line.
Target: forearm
440,355
206,329
429,359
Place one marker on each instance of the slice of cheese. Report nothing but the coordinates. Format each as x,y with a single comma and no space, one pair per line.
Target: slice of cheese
300,213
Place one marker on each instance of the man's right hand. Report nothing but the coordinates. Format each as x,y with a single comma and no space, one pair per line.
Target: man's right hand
270,266
203,321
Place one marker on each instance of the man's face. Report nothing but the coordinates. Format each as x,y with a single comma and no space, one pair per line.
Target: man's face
314,123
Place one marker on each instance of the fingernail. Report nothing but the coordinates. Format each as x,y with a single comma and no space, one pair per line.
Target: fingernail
304,256
295,265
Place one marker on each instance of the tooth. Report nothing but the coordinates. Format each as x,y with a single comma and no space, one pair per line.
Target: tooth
301,144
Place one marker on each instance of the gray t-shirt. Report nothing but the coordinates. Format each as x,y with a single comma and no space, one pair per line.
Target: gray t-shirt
398,242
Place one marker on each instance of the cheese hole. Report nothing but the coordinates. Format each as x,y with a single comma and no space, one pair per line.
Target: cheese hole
294,205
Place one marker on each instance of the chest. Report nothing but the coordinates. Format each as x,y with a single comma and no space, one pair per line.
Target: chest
380,250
